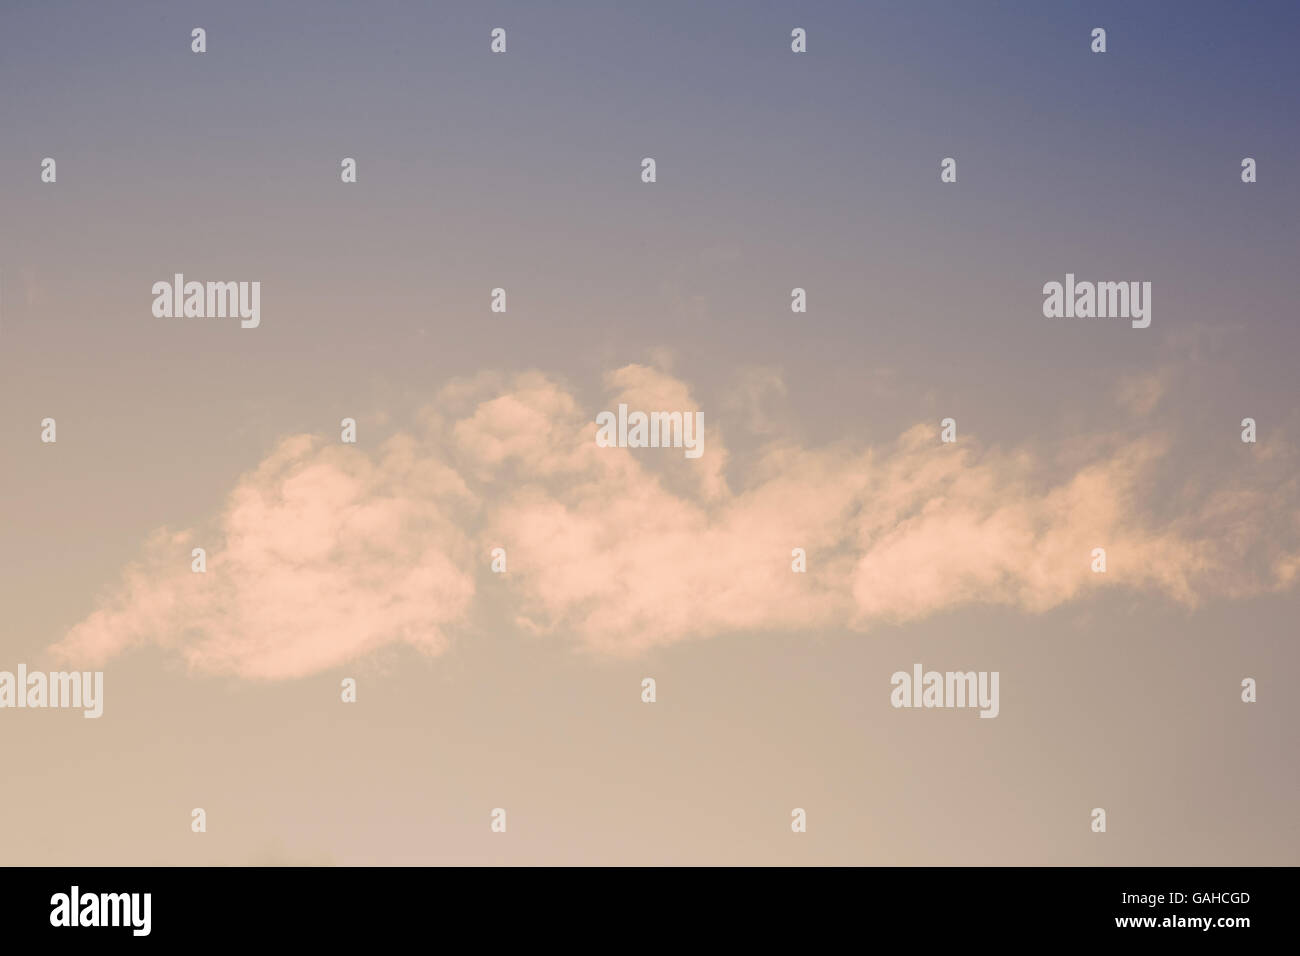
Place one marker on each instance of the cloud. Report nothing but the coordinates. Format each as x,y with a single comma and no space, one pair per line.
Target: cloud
326,553
1140,394
752,399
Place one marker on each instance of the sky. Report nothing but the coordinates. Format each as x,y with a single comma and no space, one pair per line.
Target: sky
522,690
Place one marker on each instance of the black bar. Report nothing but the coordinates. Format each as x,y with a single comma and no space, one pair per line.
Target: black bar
642,909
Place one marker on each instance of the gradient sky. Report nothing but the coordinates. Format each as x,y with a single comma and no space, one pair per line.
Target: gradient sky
775,170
